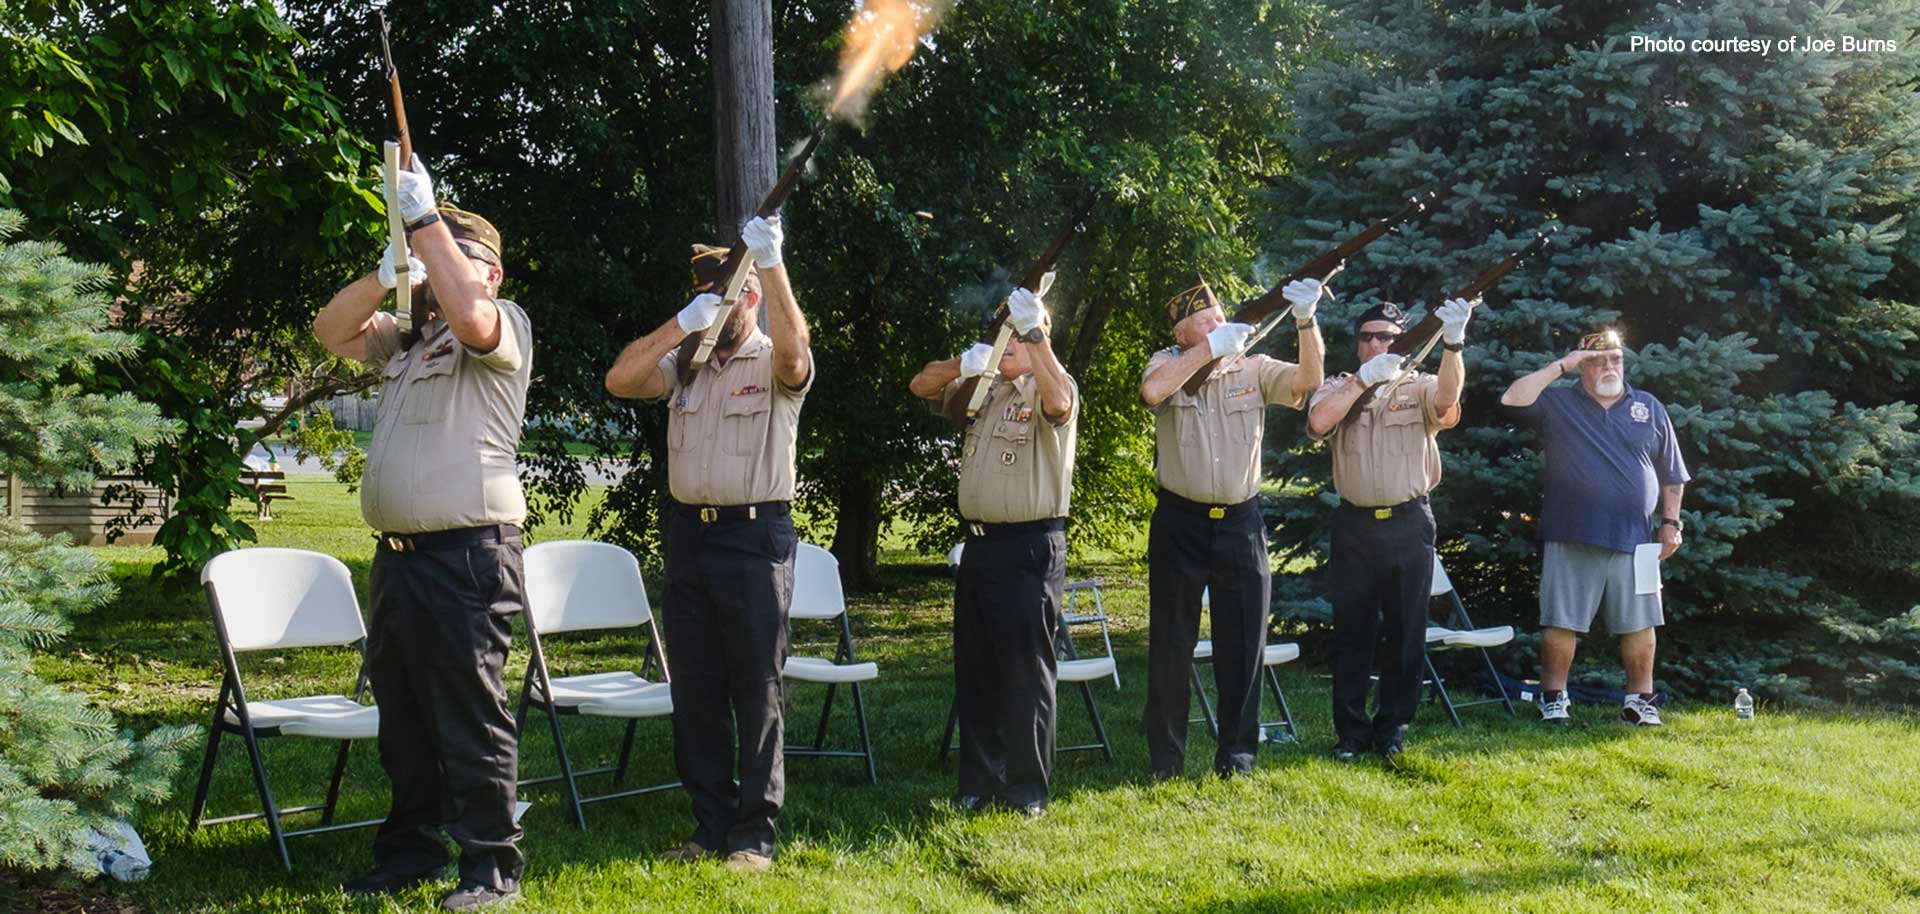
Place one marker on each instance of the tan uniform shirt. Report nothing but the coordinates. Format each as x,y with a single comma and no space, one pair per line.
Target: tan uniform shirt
442,455
1207,445
1015,465
731,429
1388,455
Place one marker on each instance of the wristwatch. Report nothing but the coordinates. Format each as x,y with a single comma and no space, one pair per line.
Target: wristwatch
1453,347
1669,521
1304,323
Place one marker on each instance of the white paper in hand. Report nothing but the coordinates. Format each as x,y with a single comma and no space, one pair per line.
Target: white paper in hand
1646,568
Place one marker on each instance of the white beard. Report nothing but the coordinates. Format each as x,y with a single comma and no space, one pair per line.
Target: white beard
1610,388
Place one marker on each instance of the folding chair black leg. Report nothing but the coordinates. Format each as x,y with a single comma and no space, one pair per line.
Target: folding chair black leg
267,804
1494,677
1206,706
866,739
566,768
953,723
626,753
826,712
206,766
1286,714
333,784
1093,714
1440,690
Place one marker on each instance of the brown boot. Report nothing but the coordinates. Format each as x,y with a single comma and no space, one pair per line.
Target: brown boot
690,852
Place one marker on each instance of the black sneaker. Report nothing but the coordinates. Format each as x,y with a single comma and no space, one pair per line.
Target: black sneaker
387,882
472,896
1347,751
1033,810
1391,750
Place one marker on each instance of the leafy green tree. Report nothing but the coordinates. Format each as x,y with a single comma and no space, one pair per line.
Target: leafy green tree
64,768
182,145
1741,218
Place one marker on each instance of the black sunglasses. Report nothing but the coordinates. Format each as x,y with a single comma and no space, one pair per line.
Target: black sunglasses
1384,336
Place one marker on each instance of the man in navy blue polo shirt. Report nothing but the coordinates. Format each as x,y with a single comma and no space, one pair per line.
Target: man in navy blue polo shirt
1611,459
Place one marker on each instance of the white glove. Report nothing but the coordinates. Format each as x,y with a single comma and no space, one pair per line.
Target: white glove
1228,339
416,271
763,237
698,315
1026,311
415,189
974,361
1454,315
1380,368
1304,295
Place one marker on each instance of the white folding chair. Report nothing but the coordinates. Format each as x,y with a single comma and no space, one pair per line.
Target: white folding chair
817,596
1459,634
283,599
581,586
1273,656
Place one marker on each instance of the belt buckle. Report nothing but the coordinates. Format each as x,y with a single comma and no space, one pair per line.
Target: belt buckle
709,515
753,512
977,529
1382,513
1217,513
398,543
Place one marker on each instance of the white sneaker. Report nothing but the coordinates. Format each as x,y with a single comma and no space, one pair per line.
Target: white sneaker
1556,707
1640,712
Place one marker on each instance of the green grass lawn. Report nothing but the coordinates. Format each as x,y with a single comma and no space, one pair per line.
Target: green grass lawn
1789,812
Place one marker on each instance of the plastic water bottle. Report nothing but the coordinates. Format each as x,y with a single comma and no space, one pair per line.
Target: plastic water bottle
1743,705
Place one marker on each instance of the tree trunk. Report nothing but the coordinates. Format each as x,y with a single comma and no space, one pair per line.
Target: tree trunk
856,532
746,157
1100,304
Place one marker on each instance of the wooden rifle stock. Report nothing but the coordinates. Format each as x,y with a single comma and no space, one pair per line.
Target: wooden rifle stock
399,155
973,391
1423,334
696,350
1259,309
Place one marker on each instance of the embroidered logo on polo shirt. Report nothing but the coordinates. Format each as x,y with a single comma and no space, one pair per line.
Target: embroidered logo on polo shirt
1240,391
748,390
1639,412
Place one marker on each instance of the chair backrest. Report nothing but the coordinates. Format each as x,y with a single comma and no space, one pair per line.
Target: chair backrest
580,585
269,598
1441,583
816,585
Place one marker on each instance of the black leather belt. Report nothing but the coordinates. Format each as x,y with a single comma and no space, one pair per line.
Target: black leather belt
713,514
448,539
1213,512
1386,512
976,530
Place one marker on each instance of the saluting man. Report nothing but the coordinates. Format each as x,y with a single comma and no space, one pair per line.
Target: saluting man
1614,477
731,430
1380,578
1016,477
1207,532
441,488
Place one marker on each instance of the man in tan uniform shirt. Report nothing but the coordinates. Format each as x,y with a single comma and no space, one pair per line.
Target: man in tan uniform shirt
441,489
1385,460
1207,532
731,430
1016,478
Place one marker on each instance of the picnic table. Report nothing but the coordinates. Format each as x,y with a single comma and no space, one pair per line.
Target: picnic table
269,486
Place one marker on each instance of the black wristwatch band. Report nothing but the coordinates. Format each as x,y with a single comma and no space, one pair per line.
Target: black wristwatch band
1668,521
423,222
1453,347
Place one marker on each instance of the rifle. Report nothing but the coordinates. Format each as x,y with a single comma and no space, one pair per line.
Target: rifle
695,351
1426,334
1266,311
974,391
397,156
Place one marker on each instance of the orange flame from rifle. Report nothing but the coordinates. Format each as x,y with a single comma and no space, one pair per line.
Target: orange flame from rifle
880,39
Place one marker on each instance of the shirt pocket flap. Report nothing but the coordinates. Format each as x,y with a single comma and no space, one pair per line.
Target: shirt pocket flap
747,404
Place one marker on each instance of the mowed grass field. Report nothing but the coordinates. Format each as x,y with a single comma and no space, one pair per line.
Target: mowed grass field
1788,812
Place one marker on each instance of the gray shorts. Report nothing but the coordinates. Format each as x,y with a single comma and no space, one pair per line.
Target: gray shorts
1579,581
